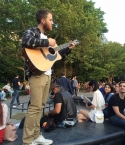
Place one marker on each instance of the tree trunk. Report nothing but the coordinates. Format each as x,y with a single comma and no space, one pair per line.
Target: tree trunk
110,79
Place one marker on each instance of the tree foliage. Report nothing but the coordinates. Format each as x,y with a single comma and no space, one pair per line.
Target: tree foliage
74,19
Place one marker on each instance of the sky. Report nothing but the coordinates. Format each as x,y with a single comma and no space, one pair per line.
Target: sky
114,18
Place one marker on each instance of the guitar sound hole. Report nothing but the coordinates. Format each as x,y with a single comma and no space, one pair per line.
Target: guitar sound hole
51,50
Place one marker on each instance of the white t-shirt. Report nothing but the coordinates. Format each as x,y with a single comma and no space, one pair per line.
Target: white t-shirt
99,103
5,115
49,71
7,87
98,100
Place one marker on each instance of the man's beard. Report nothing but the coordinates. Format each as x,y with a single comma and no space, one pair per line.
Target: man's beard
122,92
46,27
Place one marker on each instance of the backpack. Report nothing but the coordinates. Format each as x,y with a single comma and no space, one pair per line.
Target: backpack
48,123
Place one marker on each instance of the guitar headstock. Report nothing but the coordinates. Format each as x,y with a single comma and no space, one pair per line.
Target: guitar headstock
76,41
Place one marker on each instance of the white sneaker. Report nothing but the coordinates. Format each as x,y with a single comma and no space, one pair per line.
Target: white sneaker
5,99
33,143
13,106
20,104
42,141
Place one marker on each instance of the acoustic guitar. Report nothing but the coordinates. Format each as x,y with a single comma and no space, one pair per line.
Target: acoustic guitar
41,59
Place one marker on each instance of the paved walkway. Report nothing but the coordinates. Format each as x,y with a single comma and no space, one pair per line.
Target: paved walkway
25,98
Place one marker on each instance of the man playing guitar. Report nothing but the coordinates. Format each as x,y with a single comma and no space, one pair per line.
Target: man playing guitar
39,84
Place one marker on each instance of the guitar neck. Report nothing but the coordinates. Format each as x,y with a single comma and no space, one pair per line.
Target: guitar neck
62,46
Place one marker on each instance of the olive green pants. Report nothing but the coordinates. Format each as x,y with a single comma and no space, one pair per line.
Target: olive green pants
39,89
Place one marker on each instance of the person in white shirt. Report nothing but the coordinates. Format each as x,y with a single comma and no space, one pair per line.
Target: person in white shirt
98,104
8,88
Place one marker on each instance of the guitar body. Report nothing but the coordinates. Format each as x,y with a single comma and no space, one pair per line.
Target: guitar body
40,60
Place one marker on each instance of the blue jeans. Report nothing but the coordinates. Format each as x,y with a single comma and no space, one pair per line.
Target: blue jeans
61,125
11,93
15,96
2,95
75,90
65,122
117,121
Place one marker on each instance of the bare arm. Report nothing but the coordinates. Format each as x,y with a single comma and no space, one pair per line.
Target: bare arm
19,83
56,110
117,112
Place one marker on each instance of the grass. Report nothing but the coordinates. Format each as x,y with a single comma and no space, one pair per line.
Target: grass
19,116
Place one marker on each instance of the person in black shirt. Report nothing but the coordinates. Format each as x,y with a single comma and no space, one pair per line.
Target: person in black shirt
64,106
16,84
116,107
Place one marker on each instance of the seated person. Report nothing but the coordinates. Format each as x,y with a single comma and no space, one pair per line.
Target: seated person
64,106
2,95
108,92
98,103
8,88
116,107
3,119
116,88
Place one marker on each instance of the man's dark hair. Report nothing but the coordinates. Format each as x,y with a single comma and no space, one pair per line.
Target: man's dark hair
63,73
55,86
95,84
121,82
42,14
16,75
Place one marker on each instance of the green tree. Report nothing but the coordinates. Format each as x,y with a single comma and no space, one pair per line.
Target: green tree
74,19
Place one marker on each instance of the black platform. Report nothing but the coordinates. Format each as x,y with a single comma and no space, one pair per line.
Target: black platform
87,133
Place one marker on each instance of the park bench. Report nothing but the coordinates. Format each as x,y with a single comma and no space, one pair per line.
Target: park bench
25,106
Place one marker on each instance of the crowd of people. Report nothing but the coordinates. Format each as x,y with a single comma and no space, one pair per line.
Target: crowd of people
107,98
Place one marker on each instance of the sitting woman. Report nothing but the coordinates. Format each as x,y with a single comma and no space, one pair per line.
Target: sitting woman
108,92
98,103
3,119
